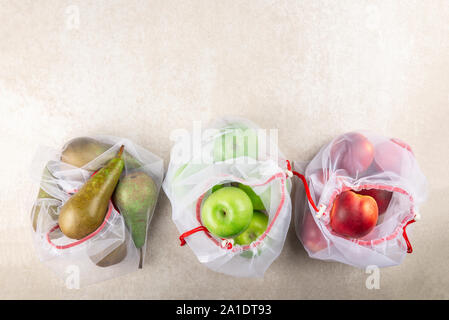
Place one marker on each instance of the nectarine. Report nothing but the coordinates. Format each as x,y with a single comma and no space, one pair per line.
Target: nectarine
353,215
390,156
311,235
352,152
382,197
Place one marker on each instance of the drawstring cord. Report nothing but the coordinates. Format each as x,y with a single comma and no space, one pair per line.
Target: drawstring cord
404,234
290,173
190,232
224,244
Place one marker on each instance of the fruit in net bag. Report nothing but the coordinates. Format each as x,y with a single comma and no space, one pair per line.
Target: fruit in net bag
382,198
353,152
238,141
135,197
217,187
114,257
353,215
255,199
311,235
84,212
256,228
390,157
227,212
42,194
80,151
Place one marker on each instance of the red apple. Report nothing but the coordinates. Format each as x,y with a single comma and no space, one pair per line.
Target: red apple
353,215
352,152
391,156
382,197
311,235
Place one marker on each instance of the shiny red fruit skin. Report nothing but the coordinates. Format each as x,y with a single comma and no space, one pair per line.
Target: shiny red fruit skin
354,153
353,215
382,197
311,235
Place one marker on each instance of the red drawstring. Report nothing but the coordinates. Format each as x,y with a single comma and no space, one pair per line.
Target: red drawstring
306,186
289,166
190,232
404,234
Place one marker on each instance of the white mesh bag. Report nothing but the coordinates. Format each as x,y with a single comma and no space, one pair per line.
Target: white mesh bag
369,164
245,160
110,250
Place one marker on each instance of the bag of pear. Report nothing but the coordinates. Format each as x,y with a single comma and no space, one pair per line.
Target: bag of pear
117,243
230,196
367,189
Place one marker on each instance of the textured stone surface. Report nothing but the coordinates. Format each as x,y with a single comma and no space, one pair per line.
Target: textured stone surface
139,69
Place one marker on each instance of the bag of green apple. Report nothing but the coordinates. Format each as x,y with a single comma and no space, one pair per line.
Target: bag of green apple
118,244
367,189
231,198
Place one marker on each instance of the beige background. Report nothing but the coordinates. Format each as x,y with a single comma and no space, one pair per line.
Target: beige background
139,69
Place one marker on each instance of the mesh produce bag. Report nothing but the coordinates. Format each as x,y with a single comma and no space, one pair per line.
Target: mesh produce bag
112,249
245,160
368,164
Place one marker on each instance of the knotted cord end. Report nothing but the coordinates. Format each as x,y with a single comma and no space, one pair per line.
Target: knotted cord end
417,216
320,212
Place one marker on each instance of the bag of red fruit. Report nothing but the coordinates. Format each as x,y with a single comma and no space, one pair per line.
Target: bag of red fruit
230,197
362,191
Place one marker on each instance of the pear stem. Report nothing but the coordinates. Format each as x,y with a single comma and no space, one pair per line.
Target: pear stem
119,154
141,258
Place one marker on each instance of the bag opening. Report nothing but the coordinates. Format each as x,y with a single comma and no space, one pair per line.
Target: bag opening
225,243
400,197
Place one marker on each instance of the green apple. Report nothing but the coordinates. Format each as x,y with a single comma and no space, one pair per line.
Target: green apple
217,187
256,228
249,254
227,212
238,142
255,199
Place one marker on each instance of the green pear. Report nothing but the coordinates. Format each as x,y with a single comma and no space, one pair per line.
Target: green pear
84,212
135,197
115,256
42,194
80,151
